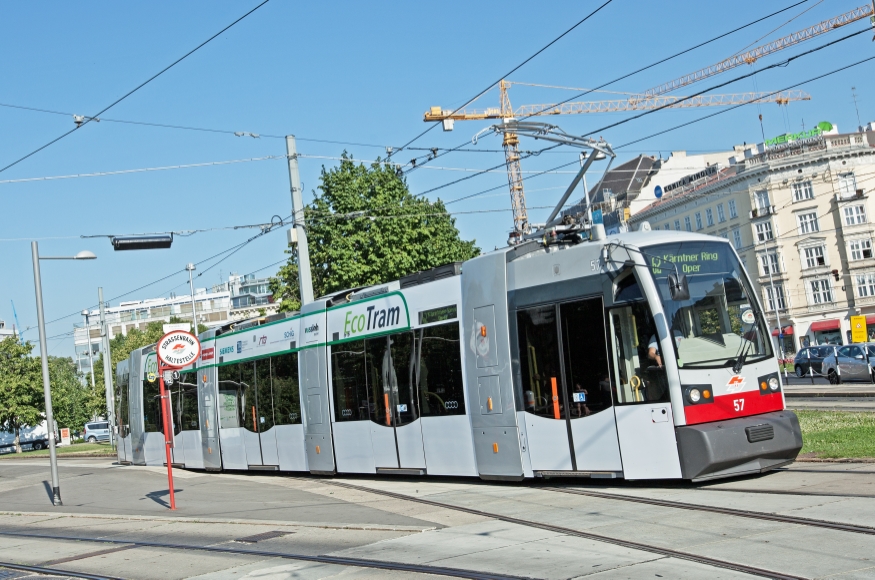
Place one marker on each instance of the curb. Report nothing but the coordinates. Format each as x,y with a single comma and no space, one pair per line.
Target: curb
63,456
818,394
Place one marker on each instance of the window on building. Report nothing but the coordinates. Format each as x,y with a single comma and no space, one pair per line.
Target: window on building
770,262
733,211
698,220
802,191
821,292
764,231
813,257
847,184
677,225
865,284
860,249
687,225
721,215
855,214
709,217
656,228
807,222
736,238
761,200
667,226
775,297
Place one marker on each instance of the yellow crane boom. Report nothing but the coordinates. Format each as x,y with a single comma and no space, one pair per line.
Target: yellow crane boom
752,56
615,105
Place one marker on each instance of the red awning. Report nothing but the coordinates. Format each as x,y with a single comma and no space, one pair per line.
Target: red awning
870,319
833,324
786,330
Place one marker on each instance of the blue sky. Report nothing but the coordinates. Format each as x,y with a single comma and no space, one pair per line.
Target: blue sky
351,72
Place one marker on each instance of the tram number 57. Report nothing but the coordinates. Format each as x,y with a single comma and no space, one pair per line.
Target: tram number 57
595,264
738,404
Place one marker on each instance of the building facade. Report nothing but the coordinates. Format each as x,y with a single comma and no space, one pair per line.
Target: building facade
798,211
5,331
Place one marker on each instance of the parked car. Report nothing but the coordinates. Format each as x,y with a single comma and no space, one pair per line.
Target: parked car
850,363
816,353
96,431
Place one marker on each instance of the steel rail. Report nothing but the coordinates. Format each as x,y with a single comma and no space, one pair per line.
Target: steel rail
764,573
56,572
321,559
718,510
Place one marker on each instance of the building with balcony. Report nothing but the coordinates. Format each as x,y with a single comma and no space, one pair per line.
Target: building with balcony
5,331
250,296
798,210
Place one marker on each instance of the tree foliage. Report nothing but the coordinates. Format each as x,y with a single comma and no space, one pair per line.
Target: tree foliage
74,401
21,387
364,227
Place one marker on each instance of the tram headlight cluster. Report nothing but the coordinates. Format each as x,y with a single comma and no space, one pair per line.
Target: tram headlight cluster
697,394
773,384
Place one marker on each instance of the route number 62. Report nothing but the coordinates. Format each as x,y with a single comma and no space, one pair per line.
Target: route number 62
738,404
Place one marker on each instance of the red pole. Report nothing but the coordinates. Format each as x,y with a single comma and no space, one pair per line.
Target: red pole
165,408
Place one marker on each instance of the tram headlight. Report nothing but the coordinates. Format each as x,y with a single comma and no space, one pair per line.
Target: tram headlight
695,395
773,384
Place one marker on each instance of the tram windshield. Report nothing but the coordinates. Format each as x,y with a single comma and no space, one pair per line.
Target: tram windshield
719,320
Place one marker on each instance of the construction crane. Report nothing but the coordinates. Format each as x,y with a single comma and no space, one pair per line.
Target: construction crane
510,140
20,331
759,52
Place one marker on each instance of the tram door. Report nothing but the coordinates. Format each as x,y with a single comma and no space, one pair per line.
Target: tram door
374,380
247,386
564,371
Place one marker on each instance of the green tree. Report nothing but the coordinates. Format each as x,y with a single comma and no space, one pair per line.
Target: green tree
364,227
21,388
73,403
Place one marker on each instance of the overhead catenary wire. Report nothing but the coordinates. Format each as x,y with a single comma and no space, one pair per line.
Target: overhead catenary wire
88,119
514,69
646,67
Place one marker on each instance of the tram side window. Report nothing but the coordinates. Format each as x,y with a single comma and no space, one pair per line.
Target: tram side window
246,397
636,374
441,391
123,412
152,421
349,379
230,408
264,401
184,397
585,356
286,397
539,361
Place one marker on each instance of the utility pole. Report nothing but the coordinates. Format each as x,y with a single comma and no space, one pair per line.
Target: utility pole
107,370
191,268
305,280
90,352
775,308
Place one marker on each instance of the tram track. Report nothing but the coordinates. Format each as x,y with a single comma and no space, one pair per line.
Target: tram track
55,572
667,552
321,559
824,524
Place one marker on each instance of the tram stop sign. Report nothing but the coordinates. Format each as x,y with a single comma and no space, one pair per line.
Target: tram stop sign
858,329
178,348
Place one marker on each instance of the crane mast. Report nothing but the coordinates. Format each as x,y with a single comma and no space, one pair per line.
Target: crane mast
511,144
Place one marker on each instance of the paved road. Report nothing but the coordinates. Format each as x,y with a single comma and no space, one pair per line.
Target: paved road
317,516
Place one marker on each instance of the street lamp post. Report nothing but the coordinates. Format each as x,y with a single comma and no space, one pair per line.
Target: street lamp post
90,353
191,268
43,348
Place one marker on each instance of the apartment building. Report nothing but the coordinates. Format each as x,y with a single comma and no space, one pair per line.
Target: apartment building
798,210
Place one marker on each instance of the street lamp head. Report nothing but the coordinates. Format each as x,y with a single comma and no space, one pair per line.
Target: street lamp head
85,313
190,267
85,255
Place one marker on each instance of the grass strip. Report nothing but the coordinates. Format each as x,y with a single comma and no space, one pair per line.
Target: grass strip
837,434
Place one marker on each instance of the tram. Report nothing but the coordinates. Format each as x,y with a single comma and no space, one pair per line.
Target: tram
643,355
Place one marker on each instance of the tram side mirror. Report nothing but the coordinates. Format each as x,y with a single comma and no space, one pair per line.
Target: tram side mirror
678,288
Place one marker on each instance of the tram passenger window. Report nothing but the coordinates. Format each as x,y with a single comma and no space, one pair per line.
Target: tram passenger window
264,408
585,357
286,397
152,421
439,375
636,374
184,397
246,395
539,362
230,409
123,412
349,379
399,362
